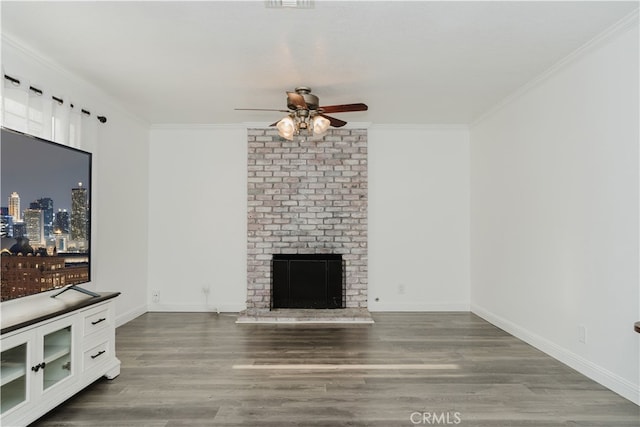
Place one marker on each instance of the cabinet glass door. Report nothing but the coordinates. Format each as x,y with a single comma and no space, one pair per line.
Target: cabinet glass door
13,377
57,357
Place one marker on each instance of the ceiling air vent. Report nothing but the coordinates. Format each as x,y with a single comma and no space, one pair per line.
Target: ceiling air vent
292,4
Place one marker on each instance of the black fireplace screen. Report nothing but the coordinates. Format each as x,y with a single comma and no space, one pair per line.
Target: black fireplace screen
306,281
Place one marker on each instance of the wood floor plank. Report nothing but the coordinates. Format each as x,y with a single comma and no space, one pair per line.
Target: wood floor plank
177,370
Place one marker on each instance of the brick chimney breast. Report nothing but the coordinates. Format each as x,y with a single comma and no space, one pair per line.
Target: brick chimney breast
307,196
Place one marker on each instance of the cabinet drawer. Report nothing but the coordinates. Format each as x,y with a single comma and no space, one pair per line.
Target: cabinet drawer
96,320
96,355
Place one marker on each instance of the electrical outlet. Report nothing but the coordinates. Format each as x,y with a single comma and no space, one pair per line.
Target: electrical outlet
155,295
205,290
401,289
582,334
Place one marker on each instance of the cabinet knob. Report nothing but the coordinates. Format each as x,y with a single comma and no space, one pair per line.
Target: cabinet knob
38,367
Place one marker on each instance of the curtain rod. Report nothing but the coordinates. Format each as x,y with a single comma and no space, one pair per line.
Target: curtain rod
15,81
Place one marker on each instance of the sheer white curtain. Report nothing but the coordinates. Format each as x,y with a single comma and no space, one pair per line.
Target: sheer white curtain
38,113
15,105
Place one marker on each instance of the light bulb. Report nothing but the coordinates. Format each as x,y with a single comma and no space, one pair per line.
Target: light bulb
320,125
286,128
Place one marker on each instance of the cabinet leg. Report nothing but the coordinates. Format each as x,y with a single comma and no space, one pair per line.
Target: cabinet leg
113,372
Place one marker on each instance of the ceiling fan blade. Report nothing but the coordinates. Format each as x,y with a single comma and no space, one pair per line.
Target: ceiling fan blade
296,101
344,108
260,109
336,123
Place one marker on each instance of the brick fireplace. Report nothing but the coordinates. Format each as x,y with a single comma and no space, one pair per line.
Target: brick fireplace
307,196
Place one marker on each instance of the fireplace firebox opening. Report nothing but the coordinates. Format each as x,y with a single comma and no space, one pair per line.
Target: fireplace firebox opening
307,281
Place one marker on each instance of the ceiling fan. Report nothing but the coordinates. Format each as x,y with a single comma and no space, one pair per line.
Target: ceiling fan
305,113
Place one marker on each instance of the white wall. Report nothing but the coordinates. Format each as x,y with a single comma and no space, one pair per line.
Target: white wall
554,213
197,220
418,230
120,159
418,218
122,213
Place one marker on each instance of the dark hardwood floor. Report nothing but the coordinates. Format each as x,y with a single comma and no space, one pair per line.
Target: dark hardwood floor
190,369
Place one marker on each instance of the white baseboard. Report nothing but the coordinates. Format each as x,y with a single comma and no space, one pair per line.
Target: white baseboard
614,382
420,306
197,308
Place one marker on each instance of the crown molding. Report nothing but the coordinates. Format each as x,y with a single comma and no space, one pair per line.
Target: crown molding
420,127
243,126
620,27
197,126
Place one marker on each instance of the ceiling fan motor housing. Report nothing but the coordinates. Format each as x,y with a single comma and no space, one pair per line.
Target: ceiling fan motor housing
304,111
311,100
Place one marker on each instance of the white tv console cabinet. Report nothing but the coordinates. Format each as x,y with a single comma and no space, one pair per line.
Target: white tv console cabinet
51,349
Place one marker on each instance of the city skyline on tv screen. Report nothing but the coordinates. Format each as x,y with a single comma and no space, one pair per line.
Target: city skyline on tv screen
35,168
45,216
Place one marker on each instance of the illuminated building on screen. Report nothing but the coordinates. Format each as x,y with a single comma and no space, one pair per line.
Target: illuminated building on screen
61,222
79,214
14,207
45,204
6,222
34,219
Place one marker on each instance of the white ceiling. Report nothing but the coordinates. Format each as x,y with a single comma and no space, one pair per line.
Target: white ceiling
412,62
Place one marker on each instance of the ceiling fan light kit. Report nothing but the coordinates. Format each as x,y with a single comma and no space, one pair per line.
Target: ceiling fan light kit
306,114
292,124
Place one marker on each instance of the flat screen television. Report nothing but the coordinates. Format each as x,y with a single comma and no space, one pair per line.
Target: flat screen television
45,215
